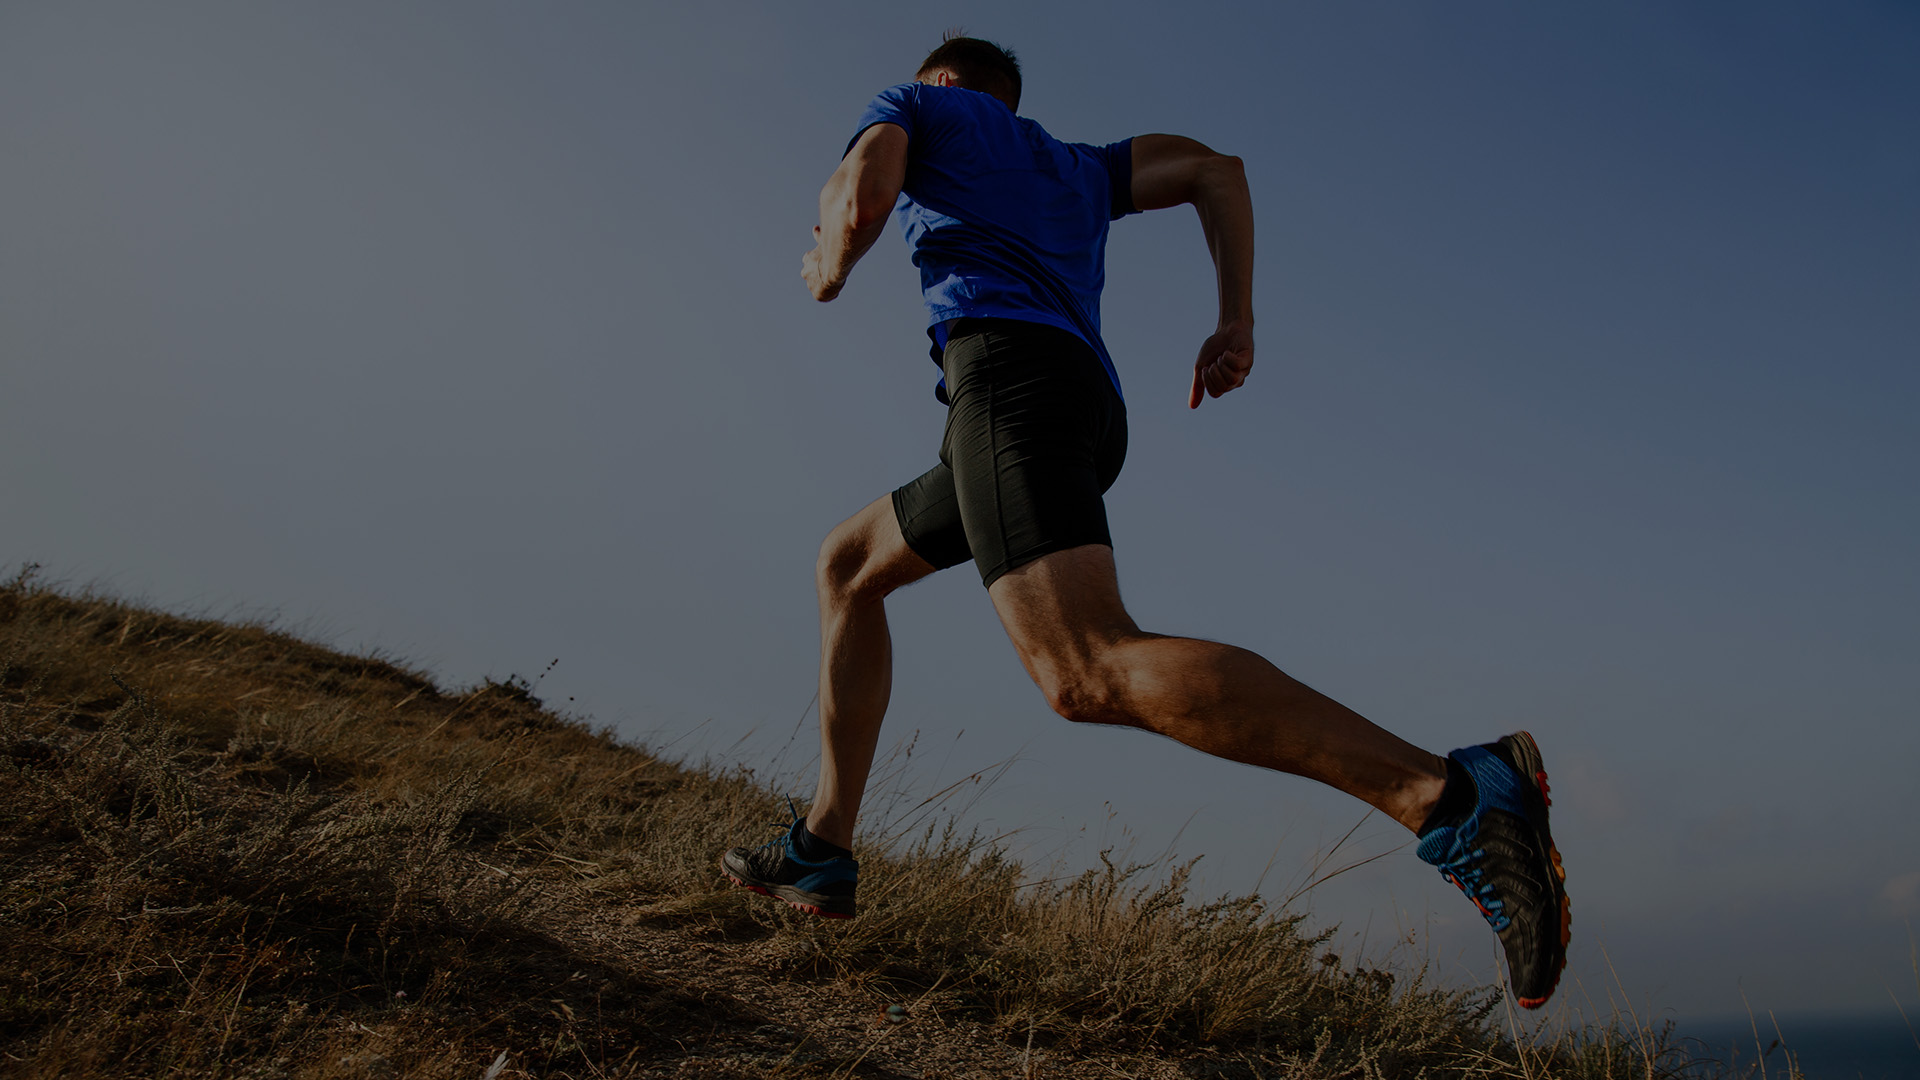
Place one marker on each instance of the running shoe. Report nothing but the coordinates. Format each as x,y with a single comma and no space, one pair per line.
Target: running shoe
776,869
1502,856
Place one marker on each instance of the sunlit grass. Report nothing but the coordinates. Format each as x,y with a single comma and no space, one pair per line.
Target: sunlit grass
228,852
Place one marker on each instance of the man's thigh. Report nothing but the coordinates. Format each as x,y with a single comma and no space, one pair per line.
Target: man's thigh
1035,435
926,512
1062,610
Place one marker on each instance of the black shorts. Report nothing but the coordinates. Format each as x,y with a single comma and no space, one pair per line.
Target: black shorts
1035,435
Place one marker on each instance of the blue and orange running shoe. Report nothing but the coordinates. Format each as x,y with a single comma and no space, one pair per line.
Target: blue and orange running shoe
1502,856
776,869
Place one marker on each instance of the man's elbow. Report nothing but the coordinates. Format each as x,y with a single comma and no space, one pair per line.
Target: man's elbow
873,198
1202,180
858,215
869,212
857,206
1222,172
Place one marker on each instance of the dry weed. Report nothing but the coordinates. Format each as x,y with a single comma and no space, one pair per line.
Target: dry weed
225,851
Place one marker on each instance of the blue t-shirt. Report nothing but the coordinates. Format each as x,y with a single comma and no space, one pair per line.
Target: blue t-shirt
1005,221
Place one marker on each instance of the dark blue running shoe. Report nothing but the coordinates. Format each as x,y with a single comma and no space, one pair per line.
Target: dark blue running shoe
1502,856
775,869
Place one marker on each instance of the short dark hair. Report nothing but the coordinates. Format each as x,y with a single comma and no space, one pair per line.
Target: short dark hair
977,65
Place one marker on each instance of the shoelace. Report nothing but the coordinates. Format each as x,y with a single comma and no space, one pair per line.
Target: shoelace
1467,875
786,827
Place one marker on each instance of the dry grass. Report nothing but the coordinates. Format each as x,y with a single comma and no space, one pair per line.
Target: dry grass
228,852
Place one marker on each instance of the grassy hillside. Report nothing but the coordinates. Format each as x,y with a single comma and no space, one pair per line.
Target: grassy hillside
228,852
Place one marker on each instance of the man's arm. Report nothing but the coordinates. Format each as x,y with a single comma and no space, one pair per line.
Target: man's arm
854,207
1169,170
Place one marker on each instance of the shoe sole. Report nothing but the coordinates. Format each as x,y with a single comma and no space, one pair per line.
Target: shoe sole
808,902
1532,765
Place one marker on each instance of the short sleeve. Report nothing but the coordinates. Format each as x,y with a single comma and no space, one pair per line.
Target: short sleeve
894,105
1119,162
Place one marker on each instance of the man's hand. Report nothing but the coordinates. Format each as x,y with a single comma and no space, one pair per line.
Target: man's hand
818,277
1224,361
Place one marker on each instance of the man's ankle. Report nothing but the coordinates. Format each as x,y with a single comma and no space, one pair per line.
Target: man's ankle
1456,802
813,849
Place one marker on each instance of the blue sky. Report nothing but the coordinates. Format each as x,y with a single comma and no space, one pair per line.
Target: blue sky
1584,402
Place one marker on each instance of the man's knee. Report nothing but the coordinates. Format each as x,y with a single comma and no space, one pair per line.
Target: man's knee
842,555
1084,694
849,569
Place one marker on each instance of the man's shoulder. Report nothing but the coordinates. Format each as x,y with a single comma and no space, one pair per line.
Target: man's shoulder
900,99
920,107
951,101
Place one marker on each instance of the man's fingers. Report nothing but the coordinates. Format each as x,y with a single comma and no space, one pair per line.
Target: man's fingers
1218,378
1226,377
1222,366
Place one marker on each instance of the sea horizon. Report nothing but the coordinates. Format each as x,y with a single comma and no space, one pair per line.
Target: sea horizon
1868,1045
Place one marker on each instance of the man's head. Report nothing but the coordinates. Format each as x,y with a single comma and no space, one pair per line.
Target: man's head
973,64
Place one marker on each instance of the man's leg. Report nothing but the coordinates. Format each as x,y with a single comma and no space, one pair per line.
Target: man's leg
1064,614
863,560
1491,838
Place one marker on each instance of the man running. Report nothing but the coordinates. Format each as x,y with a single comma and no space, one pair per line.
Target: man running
1008,226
